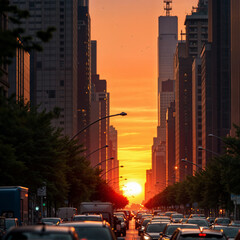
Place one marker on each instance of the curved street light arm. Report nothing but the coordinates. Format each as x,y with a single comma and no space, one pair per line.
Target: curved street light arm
111,170
96,151
114,115
103,161
184,160
207,150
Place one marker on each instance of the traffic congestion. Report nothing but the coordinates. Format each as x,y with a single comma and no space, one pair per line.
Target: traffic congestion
99,221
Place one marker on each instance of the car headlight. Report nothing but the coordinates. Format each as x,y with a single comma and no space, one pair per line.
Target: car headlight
122,224
146,237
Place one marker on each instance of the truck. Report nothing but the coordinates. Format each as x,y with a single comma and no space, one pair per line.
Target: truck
66,213
104,208
14,203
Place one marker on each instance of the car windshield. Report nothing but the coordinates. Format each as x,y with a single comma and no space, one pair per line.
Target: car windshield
50,220
171,229
230,232
204,236
155,227
87,218
40,236
93,233
223,220
10,223
201,223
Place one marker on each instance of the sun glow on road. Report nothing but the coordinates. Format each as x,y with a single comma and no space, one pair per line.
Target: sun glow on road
131,189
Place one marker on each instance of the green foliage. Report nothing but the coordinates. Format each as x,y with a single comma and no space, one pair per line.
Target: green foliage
105,193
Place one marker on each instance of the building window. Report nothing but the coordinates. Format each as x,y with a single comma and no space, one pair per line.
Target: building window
52,94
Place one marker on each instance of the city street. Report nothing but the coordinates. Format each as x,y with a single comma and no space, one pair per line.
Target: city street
132,233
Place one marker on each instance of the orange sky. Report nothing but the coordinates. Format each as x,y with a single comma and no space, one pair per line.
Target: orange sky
126,32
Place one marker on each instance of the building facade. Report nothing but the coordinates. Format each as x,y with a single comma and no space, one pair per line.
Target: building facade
235,65
183,107
170,144
84,72
19,76
217,80
55,68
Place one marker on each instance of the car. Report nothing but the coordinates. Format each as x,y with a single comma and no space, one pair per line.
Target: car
235,223
238,236
153,230
88,217
51,220
121,214
43,232
199,221
210,220
123,225
171,227
2,227
143,226
197,215
169,213
222,221
197,234
11,222
229,231
176,217
92,230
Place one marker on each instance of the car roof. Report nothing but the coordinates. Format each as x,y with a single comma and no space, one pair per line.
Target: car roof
91,215
43,228
193,231
86,224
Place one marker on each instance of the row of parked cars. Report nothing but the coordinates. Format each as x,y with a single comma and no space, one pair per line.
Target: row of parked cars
175,226
86,226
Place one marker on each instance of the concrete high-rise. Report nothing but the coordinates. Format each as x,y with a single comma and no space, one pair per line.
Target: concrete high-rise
170,144
235,64
84,72
55,73
99,132
183,107
113,176
167,41
217,103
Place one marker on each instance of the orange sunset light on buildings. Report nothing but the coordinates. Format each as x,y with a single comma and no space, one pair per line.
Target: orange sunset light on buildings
126,33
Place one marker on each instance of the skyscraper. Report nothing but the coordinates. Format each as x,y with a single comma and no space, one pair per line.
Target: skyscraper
167,41
217,78
235,64
84,72
183,107
55,76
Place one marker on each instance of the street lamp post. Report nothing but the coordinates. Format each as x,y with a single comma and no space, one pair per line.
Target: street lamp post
111,170
102,118
212,135
111,158
96,151
207,150
184,160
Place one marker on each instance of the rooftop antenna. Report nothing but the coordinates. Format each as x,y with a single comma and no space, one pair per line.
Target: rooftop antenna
168,7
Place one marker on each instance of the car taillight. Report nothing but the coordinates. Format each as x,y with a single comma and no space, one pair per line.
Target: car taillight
202,234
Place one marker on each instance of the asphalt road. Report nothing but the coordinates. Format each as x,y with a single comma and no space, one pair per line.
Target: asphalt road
132,233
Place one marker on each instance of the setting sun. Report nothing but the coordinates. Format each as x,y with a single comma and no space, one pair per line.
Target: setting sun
132,189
